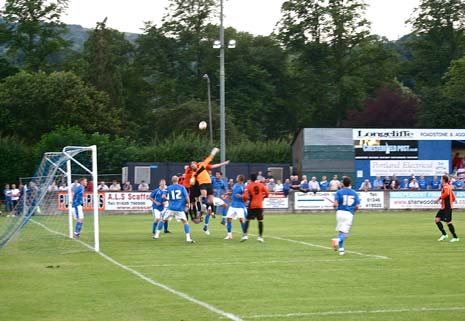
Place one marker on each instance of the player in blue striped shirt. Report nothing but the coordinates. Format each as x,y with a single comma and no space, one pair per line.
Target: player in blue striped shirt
78,201
178,203
237,210
346,202
158,206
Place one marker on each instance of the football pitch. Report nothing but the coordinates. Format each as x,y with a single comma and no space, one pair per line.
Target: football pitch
394,269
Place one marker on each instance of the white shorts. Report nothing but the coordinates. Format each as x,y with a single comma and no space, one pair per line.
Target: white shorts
157,214
179,215
218,201
236,213
344,221
78,212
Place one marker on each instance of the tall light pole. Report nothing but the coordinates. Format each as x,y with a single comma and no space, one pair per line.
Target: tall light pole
222,96
209,108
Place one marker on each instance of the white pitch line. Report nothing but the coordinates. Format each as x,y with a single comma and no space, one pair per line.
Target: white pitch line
382,257
324,313
149,280
237,263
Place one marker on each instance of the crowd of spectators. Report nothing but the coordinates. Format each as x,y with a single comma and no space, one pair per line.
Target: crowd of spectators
12,193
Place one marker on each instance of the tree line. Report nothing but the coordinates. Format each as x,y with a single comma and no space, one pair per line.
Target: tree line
321,67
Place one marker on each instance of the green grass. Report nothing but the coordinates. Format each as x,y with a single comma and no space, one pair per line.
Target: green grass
48,277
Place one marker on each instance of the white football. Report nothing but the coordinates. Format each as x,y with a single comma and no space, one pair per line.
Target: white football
202,125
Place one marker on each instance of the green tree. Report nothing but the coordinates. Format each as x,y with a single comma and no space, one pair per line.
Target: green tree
439,38
332,57
445,106
113,151
36,31
35,103
17,159
106,57
188,22
454,86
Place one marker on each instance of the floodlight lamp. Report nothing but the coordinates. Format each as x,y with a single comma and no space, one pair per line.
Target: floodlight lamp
216,44
232,43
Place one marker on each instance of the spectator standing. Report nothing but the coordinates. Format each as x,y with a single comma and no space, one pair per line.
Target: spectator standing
458,184
313,185
269,175
63,187
7,194
287,186
395,184
102,186
52,187
422,184
279,187
457,162
295,182
271,185
304,186
387,182
413,185
260,176
15,194
378,183
143,187
127,187
324,184
334,184
366,185
115,186
90,186
405,184
435,183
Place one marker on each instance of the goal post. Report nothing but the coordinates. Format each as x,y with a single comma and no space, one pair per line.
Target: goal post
70,151
50,207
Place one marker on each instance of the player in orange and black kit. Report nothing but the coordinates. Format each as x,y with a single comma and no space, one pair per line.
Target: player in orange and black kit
447,199
201,177
255,192
194,193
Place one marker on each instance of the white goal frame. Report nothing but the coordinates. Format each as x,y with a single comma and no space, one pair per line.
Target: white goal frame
70,151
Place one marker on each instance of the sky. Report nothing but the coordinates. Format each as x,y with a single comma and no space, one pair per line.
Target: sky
258,17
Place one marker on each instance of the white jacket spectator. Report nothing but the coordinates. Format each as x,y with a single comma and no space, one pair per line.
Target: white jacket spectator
143,187
102,186
115,186
366,185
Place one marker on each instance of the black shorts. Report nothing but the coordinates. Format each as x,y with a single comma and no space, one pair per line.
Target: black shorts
207,187
194,192
255,213
445,215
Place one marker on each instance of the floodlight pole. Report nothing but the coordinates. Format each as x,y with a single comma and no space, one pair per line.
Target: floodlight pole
222,95
209,108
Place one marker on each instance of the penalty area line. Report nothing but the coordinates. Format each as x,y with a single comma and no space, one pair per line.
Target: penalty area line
209,307
324,313
382,257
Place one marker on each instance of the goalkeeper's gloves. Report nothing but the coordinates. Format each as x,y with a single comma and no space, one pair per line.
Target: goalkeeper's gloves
214,151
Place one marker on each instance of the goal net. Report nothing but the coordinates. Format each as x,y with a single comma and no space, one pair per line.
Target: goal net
45,209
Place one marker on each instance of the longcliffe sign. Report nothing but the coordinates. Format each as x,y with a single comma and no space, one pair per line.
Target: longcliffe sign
408,134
